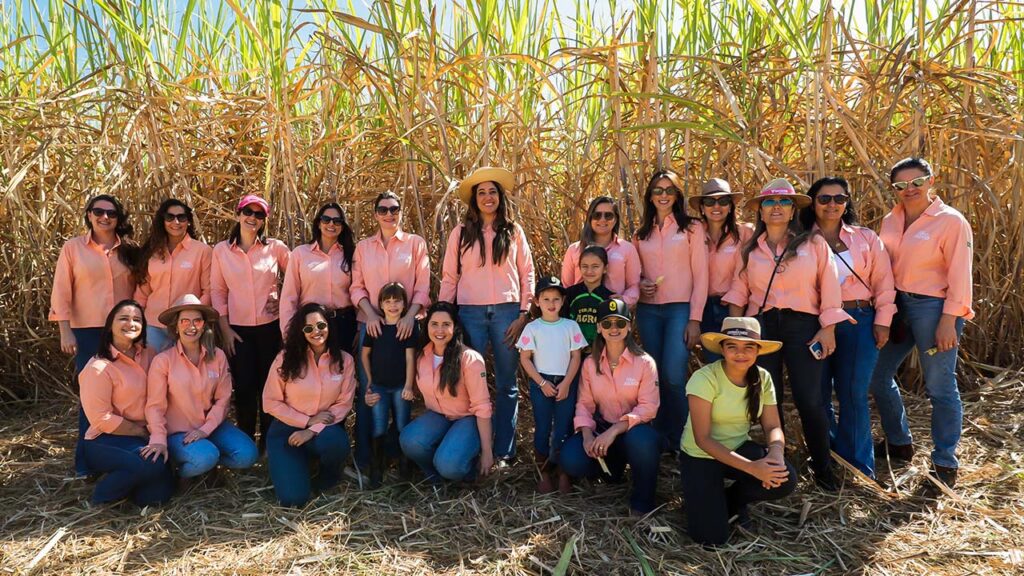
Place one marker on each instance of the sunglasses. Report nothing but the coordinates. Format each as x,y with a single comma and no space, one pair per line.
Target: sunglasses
720,200
259,214
609,216
825,199
609,323
325,219
916,182
186,322
319,327
101,212
670,191
773,202
168,217
385,210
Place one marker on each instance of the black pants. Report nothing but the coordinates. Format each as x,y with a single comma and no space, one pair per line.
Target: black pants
249,368
344,329
709,504
794,329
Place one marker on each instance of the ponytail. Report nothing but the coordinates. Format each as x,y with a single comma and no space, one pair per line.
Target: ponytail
753,380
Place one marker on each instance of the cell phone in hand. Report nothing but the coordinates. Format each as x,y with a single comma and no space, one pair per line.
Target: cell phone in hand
817,350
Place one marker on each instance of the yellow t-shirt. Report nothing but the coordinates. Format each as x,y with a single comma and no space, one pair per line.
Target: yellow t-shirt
730,424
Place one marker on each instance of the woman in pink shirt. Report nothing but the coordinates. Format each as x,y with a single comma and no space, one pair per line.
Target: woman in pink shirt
788,280
617,399
309,393
865,278
189,387
173,263
452,438
673,290
602,228
245,287
113,387
488,272
931,247
726,234
321,272
93,272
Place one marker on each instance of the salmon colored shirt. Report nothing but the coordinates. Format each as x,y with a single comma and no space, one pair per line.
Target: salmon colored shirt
680,259
88,282
184,397
114,390
322,387
933,255
622,275
627,394
871,262
313,276
724,260
185,271
806,282
242,282
510,281
404,260
471,395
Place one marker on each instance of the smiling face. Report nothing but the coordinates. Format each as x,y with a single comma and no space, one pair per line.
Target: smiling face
251,222
614,329
177,226
126,327
914,197
602,219
392,219
441,329
663,202
392,307
739,353
833,211
550,302
103,223
487,198
190,326
329,231
315,330
591,269
774,211
716,214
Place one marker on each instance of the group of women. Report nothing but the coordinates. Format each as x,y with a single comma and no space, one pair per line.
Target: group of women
165,333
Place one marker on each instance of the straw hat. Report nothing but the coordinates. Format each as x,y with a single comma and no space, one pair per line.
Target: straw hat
712,189
188,302
779,188
486,174
741,329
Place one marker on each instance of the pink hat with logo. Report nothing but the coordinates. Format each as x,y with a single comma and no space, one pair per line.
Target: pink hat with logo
253,199
779,188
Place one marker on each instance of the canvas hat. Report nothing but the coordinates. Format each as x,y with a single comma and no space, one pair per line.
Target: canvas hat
546,282
613,307
486,174
253,199
712,189
742,329
779,188
188,302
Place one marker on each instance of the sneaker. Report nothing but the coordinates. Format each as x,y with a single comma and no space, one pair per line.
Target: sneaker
896,453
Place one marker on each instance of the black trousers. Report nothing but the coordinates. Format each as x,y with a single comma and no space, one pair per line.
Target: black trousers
249,369
709,504
344,328
794,329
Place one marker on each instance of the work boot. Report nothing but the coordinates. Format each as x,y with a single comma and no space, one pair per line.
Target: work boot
897,453
946,475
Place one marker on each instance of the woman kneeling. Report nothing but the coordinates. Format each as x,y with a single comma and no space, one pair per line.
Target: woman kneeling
726,399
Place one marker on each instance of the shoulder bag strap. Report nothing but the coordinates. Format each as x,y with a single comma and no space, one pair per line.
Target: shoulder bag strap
775,270
847,264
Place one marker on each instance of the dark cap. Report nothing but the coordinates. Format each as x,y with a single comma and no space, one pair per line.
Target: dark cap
546,282
613,307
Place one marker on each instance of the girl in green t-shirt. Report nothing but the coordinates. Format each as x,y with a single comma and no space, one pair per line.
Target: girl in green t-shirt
726,398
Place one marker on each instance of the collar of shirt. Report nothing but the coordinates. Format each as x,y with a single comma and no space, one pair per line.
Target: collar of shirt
181,351
625,358
315,247
324,361
671,218
115,353
89,239
235,246
762,243
933,209
400,235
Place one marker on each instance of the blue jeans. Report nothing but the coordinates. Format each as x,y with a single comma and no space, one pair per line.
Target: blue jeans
639,446
88,341
126,474
921,315
227,445
289,465
662,328
552,418
487,325
848,371
714,314
390,402
157,338
443,448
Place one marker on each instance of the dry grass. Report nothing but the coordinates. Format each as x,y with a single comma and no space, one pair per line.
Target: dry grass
503,527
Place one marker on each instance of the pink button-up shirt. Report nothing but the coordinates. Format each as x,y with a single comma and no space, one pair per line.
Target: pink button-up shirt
183,397
933,255
242,282
322,387
471,395
806,282
114,390
725,259
87,282
629,393
313,276
871,262
510,281
680,259
186,270
622,276
405,260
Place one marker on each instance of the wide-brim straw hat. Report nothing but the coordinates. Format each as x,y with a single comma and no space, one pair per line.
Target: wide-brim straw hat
742,329
779,188
712,189
503,177
188,302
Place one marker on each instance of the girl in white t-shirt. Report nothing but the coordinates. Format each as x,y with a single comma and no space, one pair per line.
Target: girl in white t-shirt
549,350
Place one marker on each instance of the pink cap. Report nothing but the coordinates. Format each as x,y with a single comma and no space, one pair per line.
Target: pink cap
253,199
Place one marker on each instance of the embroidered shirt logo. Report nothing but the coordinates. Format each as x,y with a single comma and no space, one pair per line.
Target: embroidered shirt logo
186,265
631,382
922,235
212,374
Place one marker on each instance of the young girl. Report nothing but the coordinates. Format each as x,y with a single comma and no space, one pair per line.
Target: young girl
549,350
390,373
582,298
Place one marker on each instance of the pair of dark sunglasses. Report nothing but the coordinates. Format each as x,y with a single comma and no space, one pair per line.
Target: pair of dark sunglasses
168,217
259,214
101,212
824,199
609,216
319,327
720,200
609,323
325,219
385,210
670,191
916,182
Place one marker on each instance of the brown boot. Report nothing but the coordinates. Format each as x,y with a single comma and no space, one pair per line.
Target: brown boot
896,452
544,486
946,475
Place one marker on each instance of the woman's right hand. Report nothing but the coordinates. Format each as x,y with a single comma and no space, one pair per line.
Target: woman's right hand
770,473
373,322
325,418
154,452
648,288
68,342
